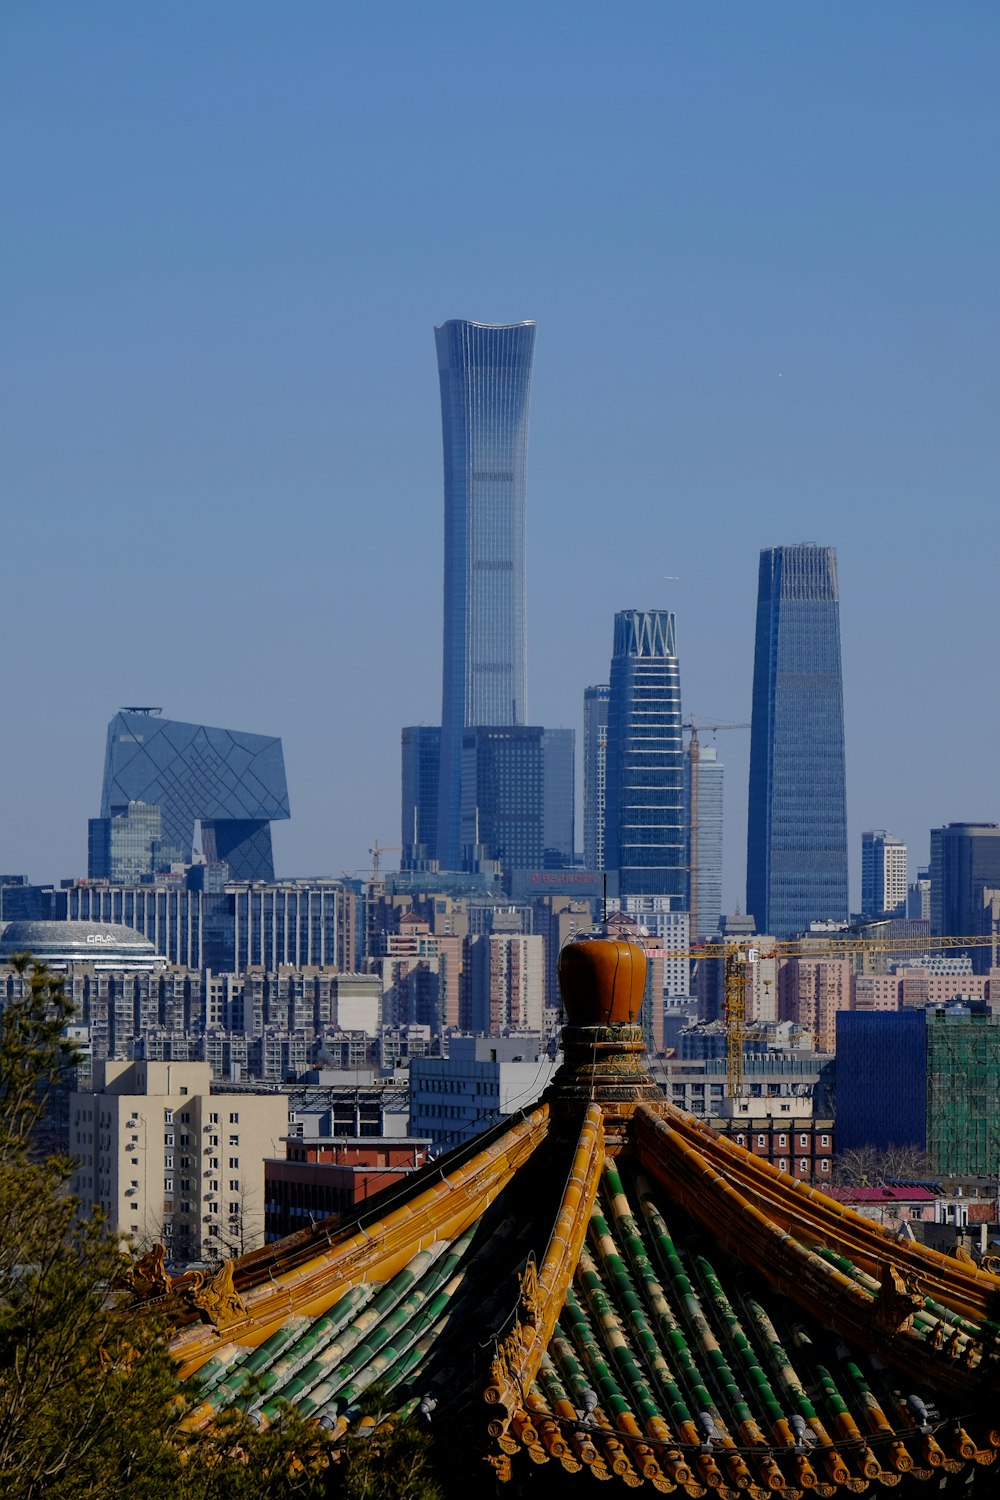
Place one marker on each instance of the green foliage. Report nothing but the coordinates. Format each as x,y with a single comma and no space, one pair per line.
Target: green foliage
90,1404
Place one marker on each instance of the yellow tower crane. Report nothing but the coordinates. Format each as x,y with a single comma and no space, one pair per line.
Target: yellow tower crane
735,955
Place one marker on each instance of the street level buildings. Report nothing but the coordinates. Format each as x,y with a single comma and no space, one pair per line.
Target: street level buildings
168,1161
797,817
485,376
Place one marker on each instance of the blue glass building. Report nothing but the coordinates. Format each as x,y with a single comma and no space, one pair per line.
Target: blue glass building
485,374
645,835
797,815
233,783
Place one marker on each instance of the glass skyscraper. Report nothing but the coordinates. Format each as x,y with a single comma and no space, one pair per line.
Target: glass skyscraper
595,760
232,782
645,834
797,817
705,862
485,374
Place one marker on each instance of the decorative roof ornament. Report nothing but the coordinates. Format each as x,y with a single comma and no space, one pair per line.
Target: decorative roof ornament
602,1283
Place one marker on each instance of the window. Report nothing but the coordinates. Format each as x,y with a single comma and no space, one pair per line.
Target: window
168,1184
134,1161
168,1160
824,1164
234,1185
168,1117
782,1142
741,1139
762,1140
234,1161
234,1140
168,1139
803,1140
783,1163
824,1140
803,1164
213,1119
184,1091
234,1119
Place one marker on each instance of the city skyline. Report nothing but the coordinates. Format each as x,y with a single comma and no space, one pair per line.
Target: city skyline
223,434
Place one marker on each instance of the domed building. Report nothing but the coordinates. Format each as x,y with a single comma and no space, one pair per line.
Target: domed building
602,1285
59,945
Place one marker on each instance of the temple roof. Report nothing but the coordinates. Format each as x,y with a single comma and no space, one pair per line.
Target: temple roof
602,1283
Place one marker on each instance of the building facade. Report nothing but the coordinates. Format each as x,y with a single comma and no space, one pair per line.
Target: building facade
124,846
644,827
927,1077
232,782
168,1161
705,860
558,797
595,761
421,766
797,817
485,375
884,879
503,796
965,865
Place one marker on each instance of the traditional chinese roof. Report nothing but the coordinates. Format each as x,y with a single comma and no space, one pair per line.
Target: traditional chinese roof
602,1283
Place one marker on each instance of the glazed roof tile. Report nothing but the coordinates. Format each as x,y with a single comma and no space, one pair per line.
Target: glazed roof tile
605,1284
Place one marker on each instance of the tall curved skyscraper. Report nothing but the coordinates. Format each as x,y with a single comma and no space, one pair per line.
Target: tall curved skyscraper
797,815
485,373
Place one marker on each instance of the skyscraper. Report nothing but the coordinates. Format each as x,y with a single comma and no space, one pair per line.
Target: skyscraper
705,862
883,874
559,797
503,796
797,818
595,760
965,866
485,374
233,783
644,824
421,756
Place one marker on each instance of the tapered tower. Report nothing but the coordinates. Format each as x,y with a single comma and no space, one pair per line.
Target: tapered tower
485,373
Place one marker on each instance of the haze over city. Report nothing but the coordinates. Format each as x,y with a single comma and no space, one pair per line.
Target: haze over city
760,249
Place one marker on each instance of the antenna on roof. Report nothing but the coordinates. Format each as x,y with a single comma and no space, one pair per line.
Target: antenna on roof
133,708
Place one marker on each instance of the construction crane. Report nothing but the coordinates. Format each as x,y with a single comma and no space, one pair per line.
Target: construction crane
694,754
376,852
735,955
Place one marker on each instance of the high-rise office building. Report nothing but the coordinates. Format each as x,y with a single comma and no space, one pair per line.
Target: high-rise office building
233,783
965,865
644,824
123,847
421,753
485,374
503,798
883,874
797,817
705,860
595,761
558,797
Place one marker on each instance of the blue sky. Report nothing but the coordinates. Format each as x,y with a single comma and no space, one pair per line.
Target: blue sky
761,245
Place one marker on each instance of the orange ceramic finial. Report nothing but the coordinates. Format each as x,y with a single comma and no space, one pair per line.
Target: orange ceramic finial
602,981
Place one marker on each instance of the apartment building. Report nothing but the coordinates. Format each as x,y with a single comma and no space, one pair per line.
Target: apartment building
169,1162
